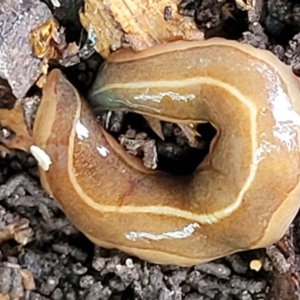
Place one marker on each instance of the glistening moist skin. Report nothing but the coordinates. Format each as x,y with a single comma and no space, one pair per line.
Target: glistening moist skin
244,195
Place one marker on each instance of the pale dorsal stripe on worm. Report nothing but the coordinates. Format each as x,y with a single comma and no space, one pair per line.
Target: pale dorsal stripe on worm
204,218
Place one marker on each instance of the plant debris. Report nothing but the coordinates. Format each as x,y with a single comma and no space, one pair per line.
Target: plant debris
13,130
138,25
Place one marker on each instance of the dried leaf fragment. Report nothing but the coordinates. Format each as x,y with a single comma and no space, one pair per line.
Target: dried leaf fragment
41,39
28,280
48,42
191,133
14,134
155,125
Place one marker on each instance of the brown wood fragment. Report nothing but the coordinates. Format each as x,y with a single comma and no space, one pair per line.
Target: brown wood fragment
137,24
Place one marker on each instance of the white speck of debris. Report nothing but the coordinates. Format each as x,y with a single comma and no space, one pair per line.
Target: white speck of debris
5,133
178,234
256,265
51,281
81,131
129,263
41,156
12,265
102,151
55,3
109,114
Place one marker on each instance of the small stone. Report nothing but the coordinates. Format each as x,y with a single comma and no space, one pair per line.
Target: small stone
86,281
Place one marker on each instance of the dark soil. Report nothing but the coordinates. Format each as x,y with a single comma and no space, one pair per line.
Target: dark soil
42,256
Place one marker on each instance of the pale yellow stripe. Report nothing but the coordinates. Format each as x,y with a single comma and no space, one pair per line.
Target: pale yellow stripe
168,210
